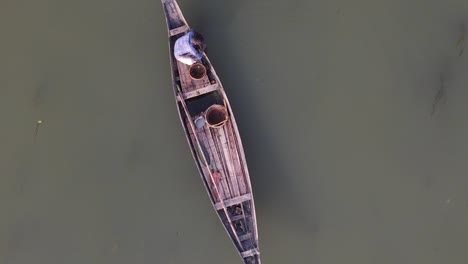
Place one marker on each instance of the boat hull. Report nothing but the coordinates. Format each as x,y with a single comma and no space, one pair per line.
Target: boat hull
216,147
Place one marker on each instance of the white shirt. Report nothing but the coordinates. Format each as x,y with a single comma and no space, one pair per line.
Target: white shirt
184,50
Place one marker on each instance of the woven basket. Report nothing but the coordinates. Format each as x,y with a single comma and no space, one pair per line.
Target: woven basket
216,116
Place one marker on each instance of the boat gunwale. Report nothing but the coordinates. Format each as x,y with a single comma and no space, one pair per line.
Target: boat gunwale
180,100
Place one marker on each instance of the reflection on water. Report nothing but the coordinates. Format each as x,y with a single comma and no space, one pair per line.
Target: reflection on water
352,116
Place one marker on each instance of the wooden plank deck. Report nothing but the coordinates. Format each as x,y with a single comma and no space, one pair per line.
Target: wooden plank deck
235,159
216,164
175,18
201,91
237,217
233,201
225,156
224,159
249,253
245,237
188,84
178,30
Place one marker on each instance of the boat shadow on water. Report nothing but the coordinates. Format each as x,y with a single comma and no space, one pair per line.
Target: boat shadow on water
277,201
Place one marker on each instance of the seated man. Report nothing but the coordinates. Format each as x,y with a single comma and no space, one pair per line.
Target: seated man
189,48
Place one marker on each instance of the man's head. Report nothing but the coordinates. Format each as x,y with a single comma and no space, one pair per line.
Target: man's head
197,41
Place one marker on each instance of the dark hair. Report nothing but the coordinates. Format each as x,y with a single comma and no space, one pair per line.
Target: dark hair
197,36
198,41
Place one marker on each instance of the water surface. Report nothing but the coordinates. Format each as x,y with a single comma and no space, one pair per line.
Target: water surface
353,117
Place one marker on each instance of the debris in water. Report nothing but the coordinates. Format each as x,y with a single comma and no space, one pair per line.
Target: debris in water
439,95
115,247
38,123
461,40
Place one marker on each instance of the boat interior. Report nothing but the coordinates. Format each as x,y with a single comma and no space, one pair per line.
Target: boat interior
215,143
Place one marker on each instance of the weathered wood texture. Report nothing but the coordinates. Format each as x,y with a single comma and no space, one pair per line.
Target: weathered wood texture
224,158
218,152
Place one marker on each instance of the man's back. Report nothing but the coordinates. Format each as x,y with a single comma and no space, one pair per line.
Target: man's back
188,49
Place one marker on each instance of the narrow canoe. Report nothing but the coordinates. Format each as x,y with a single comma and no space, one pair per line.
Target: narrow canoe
214,140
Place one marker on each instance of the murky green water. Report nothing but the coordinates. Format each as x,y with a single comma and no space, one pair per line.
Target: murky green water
353,116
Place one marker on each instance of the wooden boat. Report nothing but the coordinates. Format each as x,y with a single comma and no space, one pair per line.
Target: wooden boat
212,134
